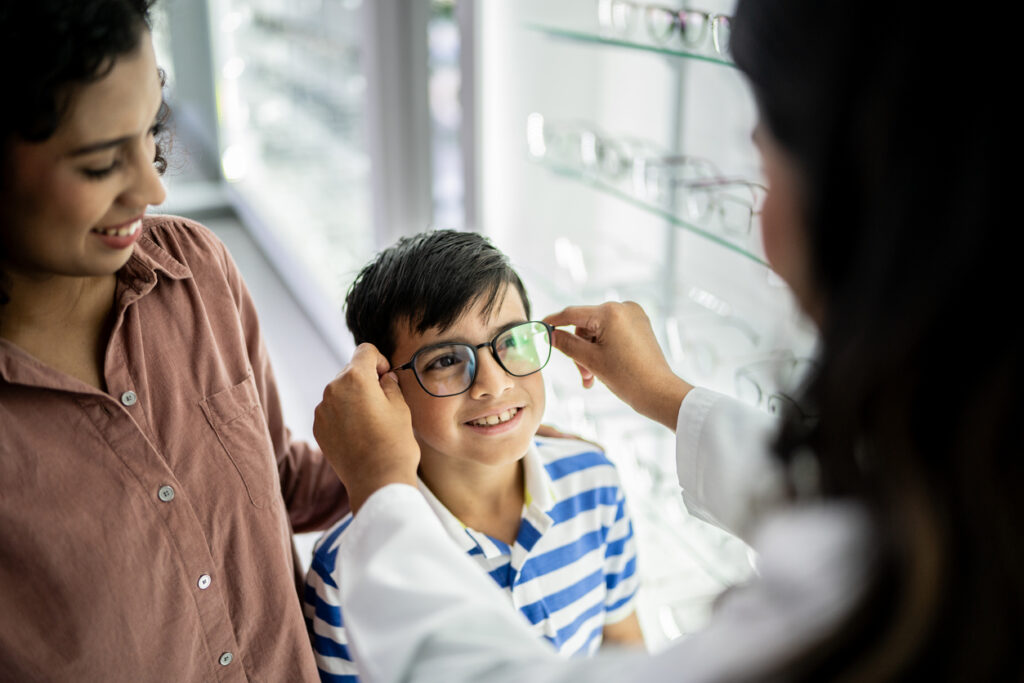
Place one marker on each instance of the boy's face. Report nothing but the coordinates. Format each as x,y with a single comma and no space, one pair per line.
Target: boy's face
448,429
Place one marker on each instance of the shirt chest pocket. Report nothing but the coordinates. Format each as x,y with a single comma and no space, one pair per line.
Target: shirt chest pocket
237,418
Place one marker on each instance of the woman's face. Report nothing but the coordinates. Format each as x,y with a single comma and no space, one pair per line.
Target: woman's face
783,229
74,202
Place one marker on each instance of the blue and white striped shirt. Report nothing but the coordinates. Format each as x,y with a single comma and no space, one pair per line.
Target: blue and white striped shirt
571,570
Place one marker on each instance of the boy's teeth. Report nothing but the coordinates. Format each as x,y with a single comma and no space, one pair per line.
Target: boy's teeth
496,419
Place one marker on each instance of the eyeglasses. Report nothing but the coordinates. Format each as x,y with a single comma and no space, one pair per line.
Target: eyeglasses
580,147
767,383
732,205
663,22
657,179
690,186
449,369
692,26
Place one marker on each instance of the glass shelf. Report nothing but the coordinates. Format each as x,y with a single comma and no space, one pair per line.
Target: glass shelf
609,189
613,41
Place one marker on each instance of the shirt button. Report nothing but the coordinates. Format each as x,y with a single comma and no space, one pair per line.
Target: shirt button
226,658
129,398
166,494
204,583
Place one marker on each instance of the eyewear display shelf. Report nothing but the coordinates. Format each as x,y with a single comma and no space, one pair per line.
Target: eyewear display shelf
748,248
609,40
581,229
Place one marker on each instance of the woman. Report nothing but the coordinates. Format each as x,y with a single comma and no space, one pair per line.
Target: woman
148,485
889,531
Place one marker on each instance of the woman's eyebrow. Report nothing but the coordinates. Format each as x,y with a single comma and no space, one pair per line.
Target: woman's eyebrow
99,146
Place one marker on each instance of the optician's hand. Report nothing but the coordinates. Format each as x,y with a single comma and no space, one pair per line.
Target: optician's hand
364,428
614,342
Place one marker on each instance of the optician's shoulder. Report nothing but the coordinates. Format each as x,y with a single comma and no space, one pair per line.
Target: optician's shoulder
184,240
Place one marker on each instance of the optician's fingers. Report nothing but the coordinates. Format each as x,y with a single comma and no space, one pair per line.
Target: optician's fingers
367,357
364,428
602,333
586,375
392,391
615,343
578,347
587,319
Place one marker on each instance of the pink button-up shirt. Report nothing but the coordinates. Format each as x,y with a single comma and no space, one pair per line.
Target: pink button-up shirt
146,532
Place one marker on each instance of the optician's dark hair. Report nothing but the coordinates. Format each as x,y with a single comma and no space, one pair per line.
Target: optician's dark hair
899,127
47,48
427,281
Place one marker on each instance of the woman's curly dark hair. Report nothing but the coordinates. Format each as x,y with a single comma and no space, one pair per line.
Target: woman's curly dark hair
49,46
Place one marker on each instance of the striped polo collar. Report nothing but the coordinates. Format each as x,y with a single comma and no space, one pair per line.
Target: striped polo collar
539,498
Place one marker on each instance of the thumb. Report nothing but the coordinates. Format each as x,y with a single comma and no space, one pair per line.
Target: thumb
389,385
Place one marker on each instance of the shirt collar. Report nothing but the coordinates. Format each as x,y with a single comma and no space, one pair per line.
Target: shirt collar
136,278
148,258
539,498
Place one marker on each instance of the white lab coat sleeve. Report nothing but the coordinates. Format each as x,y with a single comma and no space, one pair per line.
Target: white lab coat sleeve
418,610
727,472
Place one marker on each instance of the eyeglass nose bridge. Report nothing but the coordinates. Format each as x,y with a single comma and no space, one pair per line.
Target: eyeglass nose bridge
490,346
494,354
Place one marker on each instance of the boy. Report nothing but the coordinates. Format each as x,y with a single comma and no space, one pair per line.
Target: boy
546,518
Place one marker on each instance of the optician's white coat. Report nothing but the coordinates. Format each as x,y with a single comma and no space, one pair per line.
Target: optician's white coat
419,610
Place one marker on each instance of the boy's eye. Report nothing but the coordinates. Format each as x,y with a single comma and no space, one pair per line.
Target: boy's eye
443,362
511,342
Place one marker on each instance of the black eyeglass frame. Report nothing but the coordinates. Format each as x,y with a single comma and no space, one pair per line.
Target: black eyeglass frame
411,364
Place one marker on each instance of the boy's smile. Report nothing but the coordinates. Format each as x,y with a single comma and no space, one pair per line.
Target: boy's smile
493,422
486,430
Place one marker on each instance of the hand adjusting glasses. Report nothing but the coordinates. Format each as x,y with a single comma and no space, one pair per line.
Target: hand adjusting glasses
449,368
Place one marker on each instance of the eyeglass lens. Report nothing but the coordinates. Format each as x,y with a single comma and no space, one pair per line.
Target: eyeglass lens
450,369
663,22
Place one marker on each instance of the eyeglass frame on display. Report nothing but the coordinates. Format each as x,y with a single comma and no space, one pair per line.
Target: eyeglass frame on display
492,344
589,150
606,17
711,185
541,134
772,400
754,207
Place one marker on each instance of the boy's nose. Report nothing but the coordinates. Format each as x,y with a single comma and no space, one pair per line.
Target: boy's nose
491,378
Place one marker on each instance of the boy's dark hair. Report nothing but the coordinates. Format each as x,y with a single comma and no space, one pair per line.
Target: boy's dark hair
427,280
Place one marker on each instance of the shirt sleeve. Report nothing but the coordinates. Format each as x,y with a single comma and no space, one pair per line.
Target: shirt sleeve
323,611
620,570
312,492
418,610
726,469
